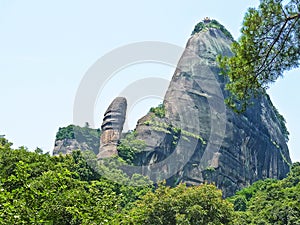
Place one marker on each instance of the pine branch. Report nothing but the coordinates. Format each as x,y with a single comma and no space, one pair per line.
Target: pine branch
296,16
285,40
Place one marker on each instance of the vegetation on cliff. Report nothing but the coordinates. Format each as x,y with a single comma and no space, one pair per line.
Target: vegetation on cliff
159,111
129,146
82,134
211,23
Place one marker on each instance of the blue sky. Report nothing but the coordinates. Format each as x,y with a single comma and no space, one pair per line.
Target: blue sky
46,47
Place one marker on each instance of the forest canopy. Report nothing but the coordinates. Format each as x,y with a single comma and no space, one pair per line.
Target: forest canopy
37,188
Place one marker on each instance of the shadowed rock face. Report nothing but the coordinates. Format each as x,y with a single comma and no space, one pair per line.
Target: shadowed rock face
67,146
112,127
73,137
213,143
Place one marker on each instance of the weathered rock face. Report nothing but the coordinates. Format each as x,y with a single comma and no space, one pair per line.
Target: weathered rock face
112,127
66,146
73,137
213,143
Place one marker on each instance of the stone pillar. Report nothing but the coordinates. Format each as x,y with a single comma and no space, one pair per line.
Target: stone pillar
112,127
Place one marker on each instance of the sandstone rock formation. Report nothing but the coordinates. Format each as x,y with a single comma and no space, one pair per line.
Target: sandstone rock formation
112,127
206,140
197,138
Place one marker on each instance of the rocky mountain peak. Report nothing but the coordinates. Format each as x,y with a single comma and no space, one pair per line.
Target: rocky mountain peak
213,143
209,24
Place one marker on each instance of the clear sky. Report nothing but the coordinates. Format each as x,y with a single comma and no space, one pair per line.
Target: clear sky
46,47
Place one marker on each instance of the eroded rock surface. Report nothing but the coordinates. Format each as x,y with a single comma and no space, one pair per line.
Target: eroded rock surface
73,137
68,145
112,127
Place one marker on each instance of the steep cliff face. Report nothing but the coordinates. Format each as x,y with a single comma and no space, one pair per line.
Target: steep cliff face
212,142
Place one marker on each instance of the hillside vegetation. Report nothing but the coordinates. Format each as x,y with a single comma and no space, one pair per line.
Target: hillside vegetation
37,188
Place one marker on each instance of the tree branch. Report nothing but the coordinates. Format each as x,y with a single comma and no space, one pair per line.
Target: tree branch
282,46
271,47
289,31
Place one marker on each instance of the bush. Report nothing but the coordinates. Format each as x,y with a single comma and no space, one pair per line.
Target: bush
159,111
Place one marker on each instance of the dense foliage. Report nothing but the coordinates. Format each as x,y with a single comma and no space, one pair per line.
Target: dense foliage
37,188
159,111
270,202
268,46
129,146
201,205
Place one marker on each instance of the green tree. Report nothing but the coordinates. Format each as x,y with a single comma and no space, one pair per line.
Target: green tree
270,201
129,146
37,188
268,46
181,205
